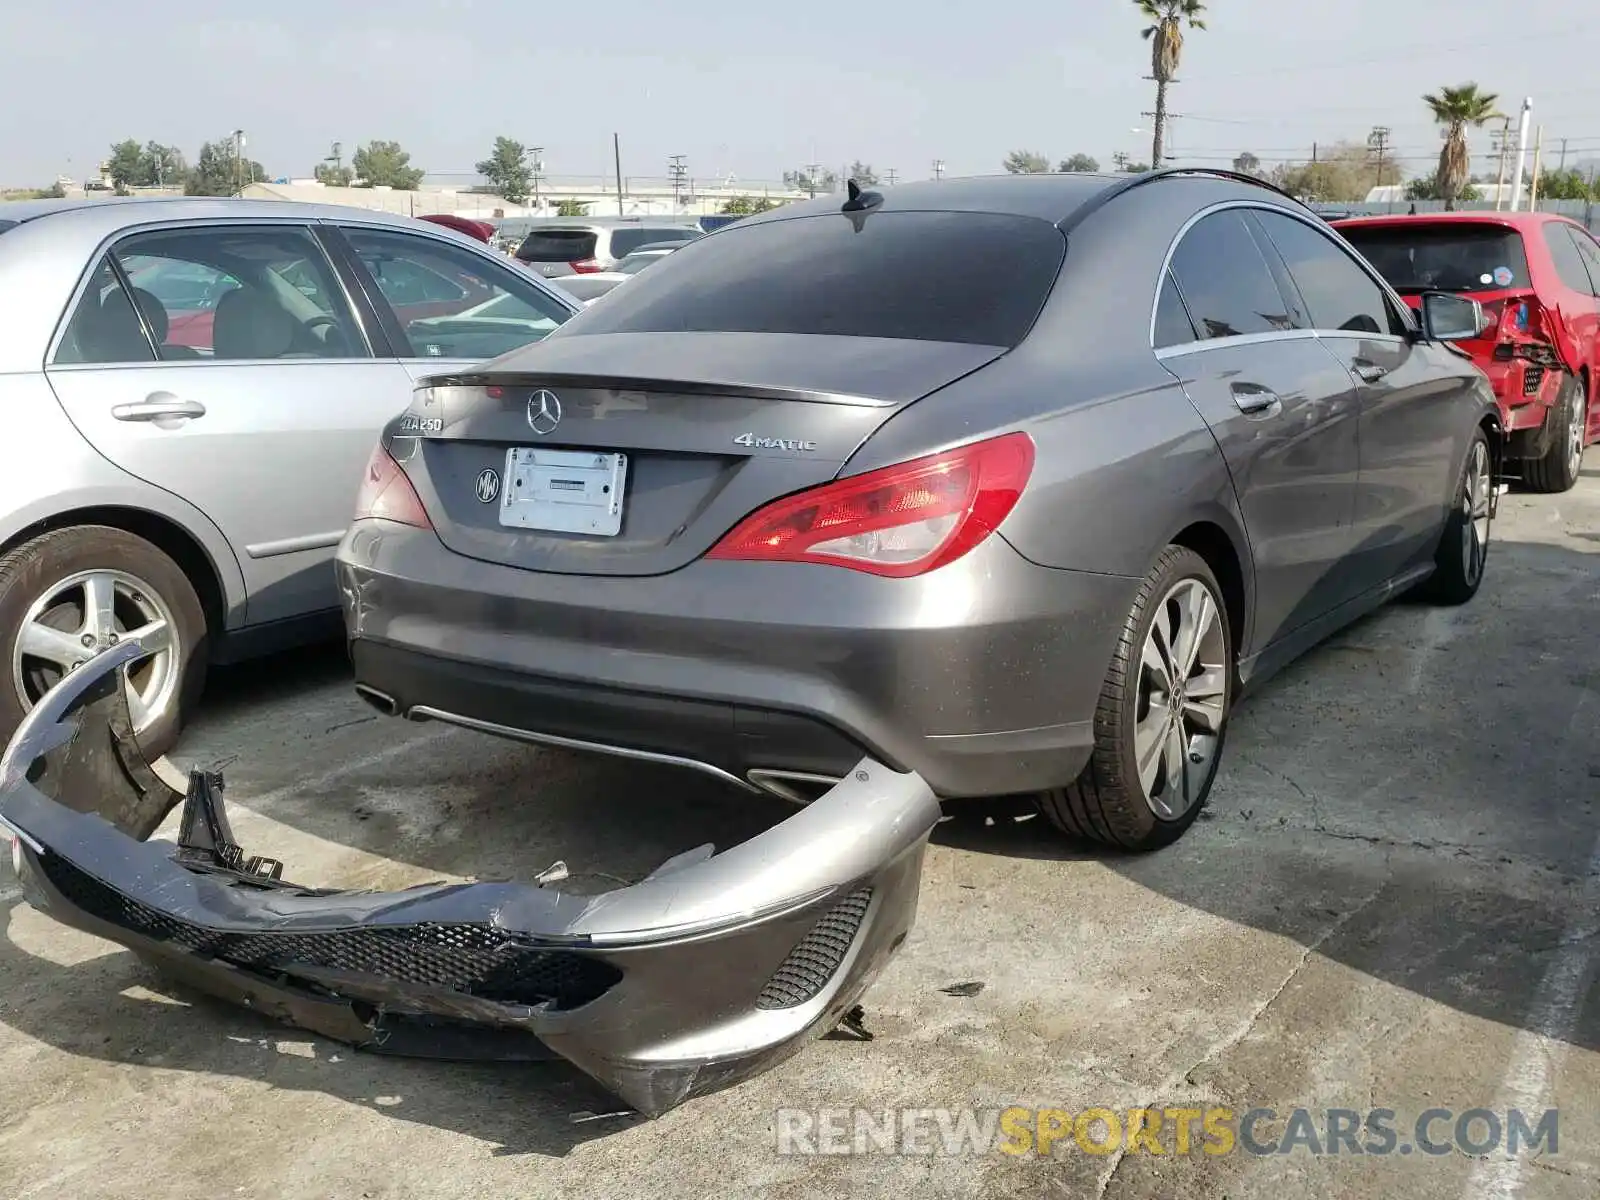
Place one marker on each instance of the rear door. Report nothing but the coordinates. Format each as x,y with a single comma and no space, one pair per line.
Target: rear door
1411,419
261,414
1283,412
446,305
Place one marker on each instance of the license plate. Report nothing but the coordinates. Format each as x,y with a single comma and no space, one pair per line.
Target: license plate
563,491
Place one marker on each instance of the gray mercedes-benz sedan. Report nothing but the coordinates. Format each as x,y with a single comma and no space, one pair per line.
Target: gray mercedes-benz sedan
1012,483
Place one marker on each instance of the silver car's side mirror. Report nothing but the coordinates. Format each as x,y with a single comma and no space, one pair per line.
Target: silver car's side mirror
1451,318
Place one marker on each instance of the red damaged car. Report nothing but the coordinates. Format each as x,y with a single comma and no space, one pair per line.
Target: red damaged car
1537,276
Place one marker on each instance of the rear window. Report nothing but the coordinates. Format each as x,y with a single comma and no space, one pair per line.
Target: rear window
1447,257
557,245
979,278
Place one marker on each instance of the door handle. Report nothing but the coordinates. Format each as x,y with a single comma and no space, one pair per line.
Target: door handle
158,406
1369,372
1256,401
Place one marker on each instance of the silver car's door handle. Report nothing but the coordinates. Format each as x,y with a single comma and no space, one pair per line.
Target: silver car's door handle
158,406
1369,372
1256,401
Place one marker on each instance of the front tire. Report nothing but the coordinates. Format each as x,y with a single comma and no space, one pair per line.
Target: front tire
1162,717
1557,470
68,593
1463,551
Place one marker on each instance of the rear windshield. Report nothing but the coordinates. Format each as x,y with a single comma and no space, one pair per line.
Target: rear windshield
979,278
1449,257
557,245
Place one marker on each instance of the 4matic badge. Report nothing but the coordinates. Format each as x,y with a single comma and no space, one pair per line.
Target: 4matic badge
771,443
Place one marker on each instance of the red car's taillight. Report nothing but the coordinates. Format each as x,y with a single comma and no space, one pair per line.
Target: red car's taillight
897,521
585,266
387,495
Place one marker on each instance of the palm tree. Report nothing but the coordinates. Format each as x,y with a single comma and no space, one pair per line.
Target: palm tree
1455,108
1165,35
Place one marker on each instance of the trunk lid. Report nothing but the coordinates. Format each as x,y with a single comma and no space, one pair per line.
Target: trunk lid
712,426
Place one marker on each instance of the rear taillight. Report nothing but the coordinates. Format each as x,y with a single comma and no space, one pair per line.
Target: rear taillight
897,521
585,266
387,495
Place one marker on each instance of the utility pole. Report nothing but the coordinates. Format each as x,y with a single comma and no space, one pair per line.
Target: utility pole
538,170
1538,163
616,154
812,171
1562,168
1120,158
678,170
1378,143
891,175
1502,146
938,169
1522,153
238,161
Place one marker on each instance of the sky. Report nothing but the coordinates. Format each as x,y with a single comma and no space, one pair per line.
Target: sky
754,89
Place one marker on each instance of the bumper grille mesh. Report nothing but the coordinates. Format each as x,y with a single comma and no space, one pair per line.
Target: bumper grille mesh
472,959
813,961
1532,380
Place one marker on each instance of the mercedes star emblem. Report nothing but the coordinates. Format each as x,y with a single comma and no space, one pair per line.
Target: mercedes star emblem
488,485
544,411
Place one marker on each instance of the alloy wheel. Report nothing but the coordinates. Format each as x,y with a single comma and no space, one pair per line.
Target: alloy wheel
1475,498
1182,698
87,612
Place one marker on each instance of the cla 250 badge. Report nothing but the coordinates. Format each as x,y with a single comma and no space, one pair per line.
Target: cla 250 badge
770,443
411,423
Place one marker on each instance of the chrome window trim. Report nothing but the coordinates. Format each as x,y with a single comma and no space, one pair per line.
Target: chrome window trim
110,241
1240,339
1316,226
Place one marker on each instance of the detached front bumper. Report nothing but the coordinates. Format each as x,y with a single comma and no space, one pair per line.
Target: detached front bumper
710,970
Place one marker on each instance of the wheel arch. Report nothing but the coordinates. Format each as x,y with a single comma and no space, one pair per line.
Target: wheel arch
176,542
1212,542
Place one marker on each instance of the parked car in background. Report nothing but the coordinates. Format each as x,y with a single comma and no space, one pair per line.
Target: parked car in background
191,388
483,231
588,245
1011,483
1538,277
590,288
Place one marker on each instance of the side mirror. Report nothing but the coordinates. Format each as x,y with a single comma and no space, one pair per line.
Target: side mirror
1451,318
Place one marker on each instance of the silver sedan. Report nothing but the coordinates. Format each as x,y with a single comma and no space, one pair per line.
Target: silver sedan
192,388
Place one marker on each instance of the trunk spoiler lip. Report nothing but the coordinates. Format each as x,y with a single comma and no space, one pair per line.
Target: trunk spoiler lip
651,383
647,1036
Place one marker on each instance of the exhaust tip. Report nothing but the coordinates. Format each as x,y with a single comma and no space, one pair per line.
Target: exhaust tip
381,701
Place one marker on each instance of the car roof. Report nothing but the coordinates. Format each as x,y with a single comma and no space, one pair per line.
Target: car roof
1055,197
1511,220
114,212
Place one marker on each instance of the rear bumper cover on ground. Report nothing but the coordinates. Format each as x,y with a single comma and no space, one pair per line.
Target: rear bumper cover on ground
708,971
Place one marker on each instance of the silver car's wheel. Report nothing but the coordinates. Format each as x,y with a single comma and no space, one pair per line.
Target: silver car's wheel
1463,554
87,612
70,592
1162,716
1182,692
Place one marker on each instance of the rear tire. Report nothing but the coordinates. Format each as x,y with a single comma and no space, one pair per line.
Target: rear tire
1157,747
1463,551
1557,470
46,590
